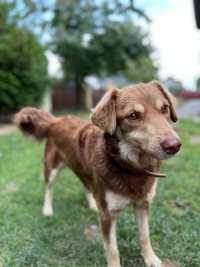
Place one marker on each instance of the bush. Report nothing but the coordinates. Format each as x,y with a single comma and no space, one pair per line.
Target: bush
23,69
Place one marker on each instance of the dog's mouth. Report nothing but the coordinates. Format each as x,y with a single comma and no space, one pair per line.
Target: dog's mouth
165,150
161,151
161,154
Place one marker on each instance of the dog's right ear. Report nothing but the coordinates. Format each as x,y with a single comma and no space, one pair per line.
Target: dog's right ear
104,114
171,99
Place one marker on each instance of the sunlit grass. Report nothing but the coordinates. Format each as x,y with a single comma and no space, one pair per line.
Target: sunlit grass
29,239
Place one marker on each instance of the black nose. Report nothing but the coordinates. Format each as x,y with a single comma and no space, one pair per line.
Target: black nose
171,145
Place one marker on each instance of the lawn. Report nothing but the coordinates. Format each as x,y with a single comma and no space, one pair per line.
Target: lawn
29,239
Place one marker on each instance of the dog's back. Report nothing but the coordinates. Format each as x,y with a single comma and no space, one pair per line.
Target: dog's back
75,140
70,140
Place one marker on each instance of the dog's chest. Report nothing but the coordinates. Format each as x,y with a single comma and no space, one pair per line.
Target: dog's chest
116,202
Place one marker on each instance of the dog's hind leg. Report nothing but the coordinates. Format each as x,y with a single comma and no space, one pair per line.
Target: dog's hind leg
48,198
53,164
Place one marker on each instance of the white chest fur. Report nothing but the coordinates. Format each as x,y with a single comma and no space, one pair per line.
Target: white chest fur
116,202
128,153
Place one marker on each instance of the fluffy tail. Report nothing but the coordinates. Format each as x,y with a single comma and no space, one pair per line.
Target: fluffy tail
34,122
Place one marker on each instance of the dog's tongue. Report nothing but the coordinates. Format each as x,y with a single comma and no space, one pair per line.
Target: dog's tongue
155,174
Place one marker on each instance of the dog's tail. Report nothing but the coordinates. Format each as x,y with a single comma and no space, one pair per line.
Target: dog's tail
34,122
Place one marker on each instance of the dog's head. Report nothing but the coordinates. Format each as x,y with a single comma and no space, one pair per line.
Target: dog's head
140,115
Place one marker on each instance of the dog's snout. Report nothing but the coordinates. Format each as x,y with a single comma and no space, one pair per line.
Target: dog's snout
171,145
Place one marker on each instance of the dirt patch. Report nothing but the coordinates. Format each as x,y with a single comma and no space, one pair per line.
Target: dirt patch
7,129
92,232
12,187
195,139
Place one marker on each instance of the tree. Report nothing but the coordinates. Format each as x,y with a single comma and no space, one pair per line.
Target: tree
198,83
23,64
143,69
35,15
98,37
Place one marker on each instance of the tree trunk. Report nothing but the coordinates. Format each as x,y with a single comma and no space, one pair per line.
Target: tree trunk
80,94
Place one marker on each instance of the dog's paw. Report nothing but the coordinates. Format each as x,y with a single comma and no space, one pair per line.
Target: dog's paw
153,261
47,211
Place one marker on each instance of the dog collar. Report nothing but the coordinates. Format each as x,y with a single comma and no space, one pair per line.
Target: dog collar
155,174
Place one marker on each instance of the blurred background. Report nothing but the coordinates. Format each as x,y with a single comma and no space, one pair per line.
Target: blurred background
62,56
65,54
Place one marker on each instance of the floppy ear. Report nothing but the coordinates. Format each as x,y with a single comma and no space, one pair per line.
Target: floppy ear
171,99
104,114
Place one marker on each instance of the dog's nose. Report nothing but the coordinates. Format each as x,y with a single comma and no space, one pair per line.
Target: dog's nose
171,145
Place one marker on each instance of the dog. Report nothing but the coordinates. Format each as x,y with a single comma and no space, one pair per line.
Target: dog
117,156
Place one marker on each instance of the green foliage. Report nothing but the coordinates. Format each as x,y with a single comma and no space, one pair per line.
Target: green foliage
29,239
142,69
23,65
95,37
198,83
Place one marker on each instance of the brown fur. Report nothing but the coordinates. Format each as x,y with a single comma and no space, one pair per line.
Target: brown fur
112,156
169,97
34,122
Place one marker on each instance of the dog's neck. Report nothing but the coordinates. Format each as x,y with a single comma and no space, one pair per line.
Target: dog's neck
129,158
129,154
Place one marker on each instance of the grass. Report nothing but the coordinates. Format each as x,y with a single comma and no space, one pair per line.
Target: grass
29,239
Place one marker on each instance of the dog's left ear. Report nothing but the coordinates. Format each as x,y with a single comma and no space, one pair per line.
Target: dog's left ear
104,114
171,99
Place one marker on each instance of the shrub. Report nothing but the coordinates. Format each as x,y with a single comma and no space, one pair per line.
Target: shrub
23,69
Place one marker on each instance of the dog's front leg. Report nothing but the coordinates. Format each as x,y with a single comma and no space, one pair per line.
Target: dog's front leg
142,216
91,201
108,226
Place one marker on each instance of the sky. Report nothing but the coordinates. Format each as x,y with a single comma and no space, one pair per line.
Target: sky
175,37
177,40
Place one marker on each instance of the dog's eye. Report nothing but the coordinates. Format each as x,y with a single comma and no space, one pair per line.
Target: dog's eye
164,108
134,116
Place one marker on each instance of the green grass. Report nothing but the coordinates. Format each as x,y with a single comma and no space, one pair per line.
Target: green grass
29,239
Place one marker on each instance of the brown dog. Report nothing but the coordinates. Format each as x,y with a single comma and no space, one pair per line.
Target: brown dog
117,157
